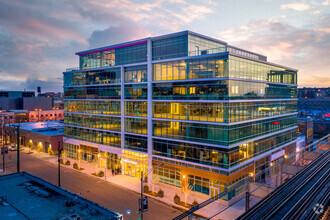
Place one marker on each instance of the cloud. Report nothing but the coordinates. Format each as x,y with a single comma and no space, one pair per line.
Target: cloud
326,3
323,29
38,39
315,12
296,6
36,43
306,49
32,84
316,81
117,34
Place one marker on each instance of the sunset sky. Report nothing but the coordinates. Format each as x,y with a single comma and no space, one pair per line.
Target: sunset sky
38,38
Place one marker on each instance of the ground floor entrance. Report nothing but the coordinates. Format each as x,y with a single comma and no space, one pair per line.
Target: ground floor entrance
134,163
92,155
214,191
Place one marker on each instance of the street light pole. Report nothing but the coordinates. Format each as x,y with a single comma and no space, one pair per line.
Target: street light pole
18,170
59,163
3,144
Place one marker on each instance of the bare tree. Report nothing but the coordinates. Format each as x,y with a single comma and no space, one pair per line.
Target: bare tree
154,181
96,163
64,155
186,189
78,157
30,144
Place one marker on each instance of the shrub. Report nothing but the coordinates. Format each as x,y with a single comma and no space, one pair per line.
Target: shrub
67,162
160,193
61,161
75,165
101,174
195,203
177,199
145,179
145,188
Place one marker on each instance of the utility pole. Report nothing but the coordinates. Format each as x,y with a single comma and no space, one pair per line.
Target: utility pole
141,195
59,163
3,144
247,201
141,204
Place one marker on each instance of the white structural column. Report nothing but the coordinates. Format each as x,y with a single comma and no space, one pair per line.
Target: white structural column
149,71
122,113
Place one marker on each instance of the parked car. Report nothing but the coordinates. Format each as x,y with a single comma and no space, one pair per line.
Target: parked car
12,148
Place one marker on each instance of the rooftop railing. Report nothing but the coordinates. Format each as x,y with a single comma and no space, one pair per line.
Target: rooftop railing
72,69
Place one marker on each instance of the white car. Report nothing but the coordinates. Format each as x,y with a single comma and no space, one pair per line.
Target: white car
12,148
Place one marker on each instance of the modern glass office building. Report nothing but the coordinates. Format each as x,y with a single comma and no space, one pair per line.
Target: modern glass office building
212,113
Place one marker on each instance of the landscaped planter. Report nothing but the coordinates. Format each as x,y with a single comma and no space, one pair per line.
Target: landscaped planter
99,174
75,166
160,193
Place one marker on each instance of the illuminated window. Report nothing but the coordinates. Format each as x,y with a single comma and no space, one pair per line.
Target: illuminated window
175,108
179,90
192,90
175,124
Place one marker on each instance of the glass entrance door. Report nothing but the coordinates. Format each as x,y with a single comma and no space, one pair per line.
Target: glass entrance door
128,170
214,191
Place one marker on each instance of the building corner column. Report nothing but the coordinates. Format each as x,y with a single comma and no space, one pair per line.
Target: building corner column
122,114
149,69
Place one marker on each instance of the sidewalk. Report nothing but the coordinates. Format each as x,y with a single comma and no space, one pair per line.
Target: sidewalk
134,184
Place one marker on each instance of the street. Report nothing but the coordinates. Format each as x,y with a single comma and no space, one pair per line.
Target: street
104,193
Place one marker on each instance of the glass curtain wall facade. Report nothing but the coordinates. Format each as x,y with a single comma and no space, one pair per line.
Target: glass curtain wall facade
200,106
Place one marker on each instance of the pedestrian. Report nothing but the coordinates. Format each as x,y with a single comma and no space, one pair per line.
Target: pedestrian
112,171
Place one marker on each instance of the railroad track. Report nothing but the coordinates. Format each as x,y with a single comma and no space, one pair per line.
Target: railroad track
306,200
318,211
293,198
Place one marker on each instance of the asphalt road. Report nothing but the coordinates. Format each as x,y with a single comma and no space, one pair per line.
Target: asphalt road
96,190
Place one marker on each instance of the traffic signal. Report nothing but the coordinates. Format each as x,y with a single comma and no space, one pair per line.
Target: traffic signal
143,205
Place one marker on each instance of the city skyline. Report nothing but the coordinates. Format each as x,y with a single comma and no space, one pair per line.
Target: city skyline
38,39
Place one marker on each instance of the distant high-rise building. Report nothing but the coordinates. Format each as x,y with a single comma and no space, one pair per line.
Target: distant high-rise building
212,113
